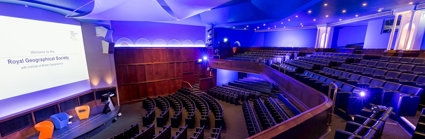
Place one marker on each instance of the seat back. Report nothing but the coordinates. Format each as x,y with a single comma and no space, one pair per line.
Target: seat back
372,63
419,61
354,77
406,59
337,72
368,71
406,67
411,90
379,72
364,80
392,74
345,74
347,88
394,59
420,79
384,58
393,66
382,64
363,62
391,86
419,69
83,112
407,77
338,83
45,128
377,83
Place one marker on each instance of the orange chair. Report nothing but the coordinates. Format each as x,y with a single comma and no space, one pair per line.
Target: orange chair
46,129
83,112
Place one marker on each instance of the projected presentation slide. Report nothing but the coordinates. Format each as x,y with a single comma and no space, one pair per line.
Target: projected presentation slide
36,55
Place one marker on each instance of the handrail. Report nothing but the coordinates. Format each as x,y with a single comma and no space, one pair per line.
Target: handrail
191,87
332,84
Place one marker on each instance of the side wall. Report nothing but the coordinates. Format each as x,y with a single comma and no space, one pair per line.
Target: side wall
374,38
344,36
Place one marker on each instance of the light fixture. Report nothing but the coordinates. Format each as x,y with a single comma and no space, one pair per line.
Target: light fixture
199,60
225,40
296,16
309,11
357,15
340,19
264,24
247,26
289,20
255,29
205,58
325,4
411,3
380,9
268,28
314,19
234,27
327,16
281,23
362,93
364,4
274,26
208,36
258,27
244,28
343,11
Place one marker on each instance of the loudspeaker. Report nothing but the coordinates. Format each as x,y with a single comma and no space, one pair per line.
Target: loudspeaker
107,47
101,31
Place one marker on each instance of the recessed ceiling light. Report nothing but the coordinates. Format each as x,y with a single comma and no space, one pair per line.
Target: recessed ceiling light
314,19
258,27
264,24
289,19
411,3
247,26
274,26
325,4
357,15
281,22
234,27
296,16
340,19
343,11
244,28
380,9
364,4
326,16
309,11
255,29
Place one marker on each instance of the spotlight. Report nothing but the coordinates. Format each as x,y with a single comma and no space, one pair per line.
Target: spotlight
344,11
325,4
362,93
199,60
205,58
364,4
309,11
225,40
411,3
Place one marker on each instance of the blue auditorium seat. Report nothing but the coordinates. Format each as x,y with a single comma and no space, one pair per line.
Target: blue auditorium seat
419,70
405,101
382,65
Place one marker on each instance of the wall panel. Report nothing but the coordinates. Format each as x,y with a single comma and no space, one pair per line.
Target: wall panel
147,72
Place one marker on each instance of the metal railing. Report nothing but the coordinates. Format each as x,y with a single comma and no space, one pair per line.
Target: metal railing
335,87
190,85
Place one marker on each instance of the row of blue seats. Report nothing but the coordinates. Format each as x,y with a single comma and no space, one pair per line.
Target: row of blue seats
251,120
403,98
190,107
164,106
265,117
228,95
217,110
370,66
177,105
369,125
408,60
301,64
181,133
344,55
203,108
149,105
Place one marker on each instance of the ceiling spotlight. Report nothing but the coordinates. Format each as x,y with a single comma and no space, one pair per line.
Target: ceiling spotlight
247,26
325,4
411,3
340,19
258,27
268,28
357,15
343,11
281,23
364,4
327,16
274,26
380,9
309,11
255,29
296,16
244,28
234,27
264,24
289,19
314,19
